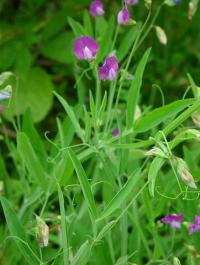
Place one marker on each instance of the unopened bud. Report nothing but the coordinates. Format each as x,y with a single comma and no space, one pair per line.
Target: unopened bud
176,261
172,2
1,187
155,151
148,4
184,173
161,35
42,232
138,113
193,132
196,119
192,8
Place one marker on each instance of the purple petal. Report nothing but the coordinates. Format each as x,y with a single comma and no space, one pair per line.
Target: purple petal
115,132
111,62
173,219
123,16
85,48
195,227
96,8
109,69
102,73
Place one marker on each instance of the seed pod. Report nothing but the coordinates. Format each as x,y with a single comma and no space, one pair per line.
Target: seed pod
138,113
42,232
176,261
1,187
196,119
161,35
192,8
148,4
184,173
155,151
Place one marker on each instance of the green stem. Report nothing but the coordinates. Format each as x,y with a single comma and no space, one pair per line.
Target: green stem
98,88
115,38
127,66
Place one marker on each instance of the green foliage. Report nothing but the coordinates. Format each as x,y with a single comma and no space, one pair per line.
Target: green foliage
99,196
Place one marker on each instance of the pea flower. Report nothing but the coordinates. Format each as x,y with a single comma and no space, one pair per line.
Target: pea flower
173,219
85,48
115,132
123,17
96,8
195,227
109,69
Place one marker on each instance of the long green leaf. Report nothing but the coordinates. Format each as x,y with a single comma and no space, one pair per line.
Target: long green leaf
126,43
155,117
121,196
85,185
71,115
82,255
31,160
63,226
17,231
134,91
153,172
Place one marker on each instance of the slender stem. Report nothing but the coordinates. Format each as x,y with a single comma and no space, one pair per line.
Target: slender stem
98,88
110,102
150,26
128,64
115,38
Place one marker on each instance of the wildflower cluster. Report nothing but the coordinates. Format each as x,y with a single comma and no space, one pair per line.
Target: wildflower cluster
174,220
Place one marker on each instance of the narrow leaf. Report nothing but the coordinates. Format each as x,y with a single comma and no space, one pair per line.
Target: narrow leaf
85,185
71,115
16,229
134,91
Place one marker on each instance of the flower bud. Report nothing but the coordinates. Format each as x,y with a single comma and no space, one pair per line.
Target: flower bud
172,2
42,232
184,173
155,151
161,35
192,8
138,113
1,187
196,119
176,261
148,4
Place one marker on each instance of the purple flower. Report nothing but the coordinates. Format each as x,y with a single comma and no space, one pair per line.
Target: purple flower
195,226
96,8
109,69
173,220
115,132
123,17
85,48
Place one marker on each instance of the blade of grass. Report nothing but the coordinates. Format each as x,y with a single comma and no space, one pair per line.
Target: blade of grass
121,196
17,231
71,115
31,160
133,94
63,226
85,185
